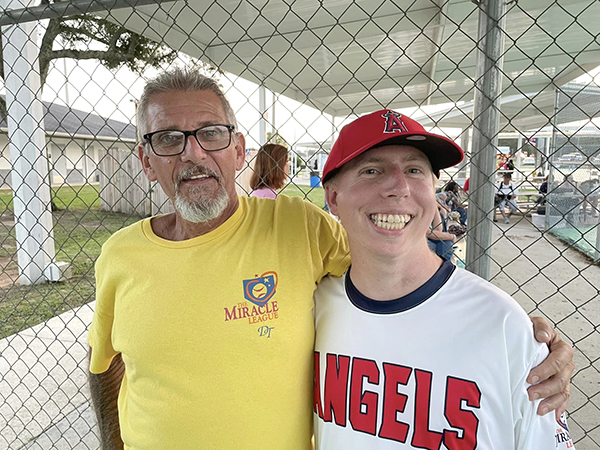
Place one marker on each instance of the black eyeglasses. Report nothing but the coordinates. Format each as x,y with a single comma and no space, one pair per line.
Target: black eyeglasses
211,138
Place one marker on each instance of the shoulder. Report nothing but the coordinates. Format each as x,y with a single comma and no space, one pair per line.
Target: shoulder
124,236
493,310
307,209
331,284
487,298
330,291
289,211
256,204
119,246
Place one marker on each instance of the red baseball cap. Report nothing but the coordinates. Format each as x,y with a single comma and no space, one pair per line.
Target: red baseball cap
388,127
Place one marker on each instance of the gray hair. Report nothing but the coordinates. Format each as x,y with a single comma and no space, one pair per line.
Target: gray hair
188,79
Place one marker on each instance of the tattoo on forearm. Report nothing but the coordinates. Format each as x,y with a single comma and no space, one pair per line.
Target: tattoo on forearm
104,389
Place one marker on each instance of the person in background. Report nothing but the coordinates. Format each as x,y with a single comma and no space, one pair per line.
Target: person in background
271,167
439,240
543,190
467,183
590,190
505,196
510,165
452,191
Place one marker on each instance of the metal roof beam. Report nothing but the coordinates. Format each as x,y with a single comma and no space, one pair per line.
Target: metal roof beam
437,39
65,9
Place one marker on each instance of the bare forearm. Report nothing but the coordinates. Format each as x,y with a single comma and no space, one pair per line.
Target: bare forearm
441,236
104,388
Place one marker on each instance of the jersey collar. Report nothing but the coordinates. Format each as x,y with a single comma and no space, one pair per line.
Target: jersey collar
401,304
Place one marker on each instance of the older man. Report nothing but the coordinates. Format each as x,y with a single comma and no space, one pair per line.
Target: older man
203,331
411,349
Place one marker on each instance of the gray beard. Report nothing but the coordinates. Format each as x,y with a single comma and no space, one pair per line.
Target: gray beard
203,209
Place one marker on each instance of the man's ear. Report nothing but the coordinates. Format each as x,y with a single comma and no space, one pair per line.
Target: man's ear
146,166
240,152
331,197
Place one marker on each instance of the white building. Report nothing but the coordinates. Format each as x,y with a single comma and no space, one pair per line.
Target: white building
77,142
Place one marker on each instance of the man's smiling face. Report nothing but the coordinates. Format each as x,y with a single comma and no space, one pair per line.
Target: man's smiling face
195,178
385,198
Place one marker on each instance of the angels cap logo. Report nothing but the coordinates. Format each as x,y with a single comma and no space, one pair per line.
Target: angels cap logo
261,289
393,122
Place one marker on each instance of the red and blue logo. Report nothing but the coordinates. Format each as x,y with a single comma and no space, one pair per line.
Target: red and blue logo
563,422
261,289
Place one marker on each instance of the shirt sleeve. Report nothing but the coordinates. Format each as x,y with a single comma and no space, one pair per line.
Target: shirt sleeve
100,333
328,243
532,431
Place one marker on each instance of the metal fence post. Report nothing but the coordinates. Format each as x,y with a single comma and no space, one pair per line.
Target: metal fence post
485,135
262,109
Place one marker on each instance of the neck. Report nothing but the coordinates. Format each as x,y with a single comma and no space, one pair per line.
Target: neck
173,227
384,278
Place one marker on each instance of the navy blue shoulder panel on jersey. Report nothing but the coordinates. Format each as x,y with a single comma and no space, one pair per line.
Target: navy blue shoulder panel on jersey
403,303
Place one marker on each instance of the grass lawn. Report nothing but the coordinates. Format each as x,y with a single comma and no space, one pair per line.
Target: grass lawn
64,197
80,229
313,195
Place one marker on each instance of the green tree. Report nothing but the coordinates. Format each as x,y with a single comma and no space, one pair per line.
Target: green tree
276,138
90,37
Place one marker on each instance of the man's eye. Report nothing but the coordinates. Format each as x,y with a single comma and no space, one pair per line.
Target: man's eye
168,138
370,171
210,133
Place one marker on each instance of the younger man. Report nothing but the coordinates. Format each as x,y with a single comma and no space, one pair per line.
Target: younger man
459,382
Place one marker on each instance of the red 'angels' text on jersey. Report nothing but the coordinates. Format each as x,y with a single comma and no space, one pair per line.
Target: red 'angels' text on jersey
443,368
344,404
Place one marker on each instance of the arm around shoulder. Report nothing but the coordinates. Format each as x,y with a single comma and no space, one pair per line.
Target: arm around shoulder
551,380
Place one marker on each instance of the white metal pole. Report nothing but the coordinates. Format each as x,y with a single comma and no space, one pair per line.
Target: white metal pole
262,109
273,116
597,252
517,174
66,82
28,152
547,152
463,167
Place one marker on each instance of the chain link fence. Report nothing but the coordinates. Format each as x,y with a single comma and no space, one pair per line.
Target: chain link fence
295,72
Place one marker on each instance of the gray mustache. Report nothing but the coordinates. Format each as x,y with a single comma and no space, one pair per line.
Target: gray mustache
196,170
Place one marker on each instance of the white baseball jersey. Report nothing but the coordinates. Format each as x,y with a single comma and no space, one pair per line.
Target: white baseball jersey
442,368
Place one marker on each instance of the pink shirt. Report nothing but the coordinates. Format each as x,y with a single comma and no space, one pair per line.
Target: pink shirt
264,192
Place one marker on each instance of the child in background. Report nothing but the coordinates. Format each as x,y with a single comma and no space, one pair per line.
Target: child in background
505,197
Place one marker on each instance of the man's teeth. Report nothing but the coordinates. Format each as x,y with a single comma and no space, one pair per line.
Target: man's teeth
390,221
197,177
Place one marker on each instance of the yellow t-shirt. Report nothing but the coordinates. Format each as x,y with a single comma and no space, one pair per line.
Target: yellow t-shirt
216,332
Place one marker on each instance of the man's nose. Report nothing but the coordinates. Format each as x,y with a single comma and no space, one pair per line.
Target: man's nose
395,184
193,151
